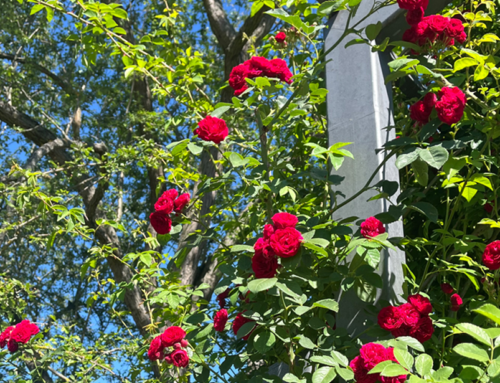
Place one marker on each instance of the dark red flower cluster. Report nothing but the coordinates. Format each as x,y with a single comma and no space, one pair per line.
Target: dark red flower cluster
258,67
20,333
166,204
212,129
409,319
491,256
372,227
239,321
450,104
370,355
220,320
169,346
447,288
280,37
456,302
425,31
221,298
281,239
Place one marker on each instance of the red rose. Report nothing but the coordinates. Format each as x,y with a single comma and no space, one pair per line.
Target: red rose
221,298
488,207
286,242
421,304
430,100
462,38
372,227
184,343
491,256
446,288
180,358
239,321
171,335
404,330
165,203
258,67
212,129
280,37
456,302
415,16
168,359
420,113
220,320
279,69
156,347
413,4
424,33
361,373
372,354
282,220
450,107
24,331
12,345
237,79
161,222
389,318
455,28
181,202
410,35
437,23
409,314
423,330
263,246
264,267
268,231
5,336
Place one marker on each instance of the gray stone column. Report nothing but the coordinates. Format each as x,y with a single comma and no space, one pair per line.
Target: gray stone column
359,110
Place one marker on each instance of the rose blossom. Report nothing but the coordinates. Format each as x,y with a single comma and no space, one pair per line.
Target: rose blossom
221,298
5,336
413,4
239,321
24,331
455,28
264,267
372,354
372,227
181,202
450,107
237,79
283,220
279,69
389,318
423,330
280,37
268,231
456,302
263,246
156,347
220,320
165,203
172,335
161,222
420,113
12,345
421,304
437,23
409,314
180,358
491,256
415,16
212,129
446,288
286,242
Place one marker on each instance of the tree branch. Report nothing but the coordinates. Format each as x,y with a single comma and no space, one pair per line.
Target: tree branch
220,24
58,80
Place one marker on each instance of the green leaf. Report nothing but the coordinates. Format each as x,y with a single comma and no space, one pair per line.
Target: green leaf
323,359
482,180
442,374
345,373
178,147
195,149
340,358
480,73
238,248
373,30
394,370
423,364
435,156
471,351
380,367
37,8
264,341
324,375
411,342
427,209
464,63
421,171
146,258
476,332
244,330
329,304
490,312
237,160
256,6
407,158
493,369
307,343
318,241
400,63
301,310
261,284
220,111
291,378
404,358
328,7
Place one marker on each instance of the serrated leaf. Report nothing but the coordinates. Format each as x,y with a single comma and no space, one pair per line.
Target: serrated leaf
471,351
324,375
261,284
